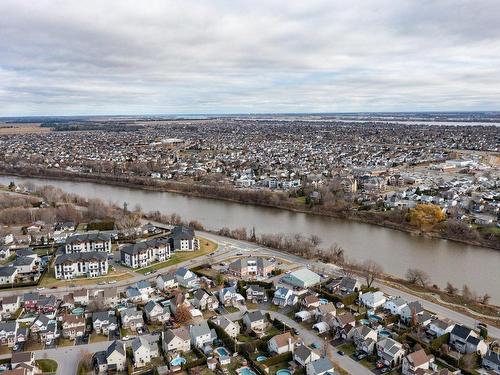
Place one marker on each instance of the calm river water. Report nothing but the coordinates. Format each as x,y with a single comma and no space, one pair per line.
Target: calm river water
395,251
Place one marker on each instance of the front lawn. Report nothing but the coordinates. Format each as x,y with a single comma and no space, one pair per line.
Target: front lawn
98,338
347,348
206,247
46,365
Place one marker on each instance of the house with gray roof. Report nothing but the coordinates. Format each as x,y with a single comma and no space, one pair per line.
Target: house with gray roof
81,264
88,242
321,366
131,318
143,351
183,239
143,254
176,340
156,312
8,275
104,321
201,334
251,267
113,359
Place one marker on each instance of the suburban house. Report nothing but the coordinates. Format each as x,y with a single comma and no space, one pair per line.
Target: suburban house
143,351
230,297
344,286
104,321
256,293
85,264
310,302
395,305
251,267
372,300
9,305
302,278
186,278
304,355
411,309
4,252
230,327
156,312
201,334
255,321
439,327
8,332
491,361
25,265
326,312
113,359
183,239
81,297
145,253
34,302
73,326
281,343
176,340
8,275
364,338
44,328
167,281
88,242
24,361
131,318
321,366
390,352
415,361
285,297
204,300
464,340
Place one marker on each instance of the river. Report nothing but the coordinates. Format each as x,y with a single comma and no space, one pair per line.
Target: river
396,251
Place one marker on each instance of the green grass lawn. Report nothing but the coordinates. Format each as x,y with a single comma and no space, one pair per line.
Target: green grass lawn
47,365
347,348
206,247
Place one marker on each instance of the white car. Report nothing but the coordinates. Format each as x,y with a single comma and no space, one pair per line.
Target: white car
125,338
40,288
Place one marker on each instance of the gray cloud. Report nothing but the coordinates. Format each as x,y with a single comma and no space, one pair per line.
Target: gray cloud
95,57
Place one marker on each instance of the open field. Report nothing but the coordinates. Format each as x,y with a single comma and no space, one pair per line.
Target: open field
6,129
206,247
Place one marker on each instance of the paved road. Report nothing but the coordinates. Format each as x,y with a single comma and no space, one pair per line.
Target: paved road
309,337
332,269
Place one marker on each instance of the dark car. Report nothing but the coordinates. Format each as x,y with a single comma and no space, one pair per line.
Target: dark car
340,352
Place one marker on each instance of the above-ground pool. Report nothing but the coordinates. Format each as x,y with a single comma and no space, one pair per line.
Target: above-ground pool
221,351
179,361
323,301
283,372
78,311
246,371
261,358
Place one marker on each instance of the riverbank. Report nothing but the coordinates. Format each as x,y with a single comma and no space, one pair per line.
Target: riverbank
215,193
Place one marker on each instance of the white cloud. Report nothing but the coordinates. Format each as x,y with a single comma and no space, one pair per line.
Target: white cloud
95,57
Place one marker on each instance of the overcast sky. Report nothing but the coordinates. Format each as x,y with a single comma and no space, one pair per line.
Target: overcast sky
161,57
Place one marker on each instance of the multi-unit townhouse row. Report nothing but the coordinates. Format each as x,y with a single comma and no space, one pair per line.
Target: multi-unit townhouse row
88,242
91,264
143,254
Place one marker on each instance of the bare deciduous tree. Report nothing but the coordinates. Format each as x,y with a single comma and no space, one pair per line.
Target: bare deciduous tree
370,271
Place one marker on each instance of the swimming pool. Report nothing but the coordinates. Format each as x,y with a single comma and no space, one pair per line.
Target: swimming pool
364,321
261,358
283,372
375,317
385,333
221,351
246,371
78,311
179,361
323,301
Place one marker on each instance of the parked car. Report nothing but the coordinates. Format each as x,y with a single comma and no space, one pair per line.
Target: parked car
340,352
